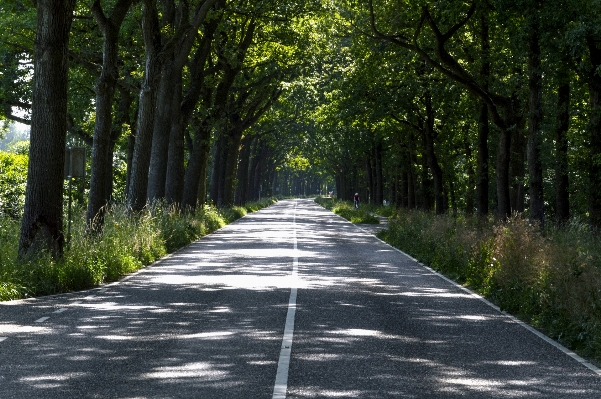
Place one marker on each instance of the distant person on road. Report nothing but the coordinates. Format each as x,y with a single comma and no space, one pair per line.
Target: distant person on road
356,200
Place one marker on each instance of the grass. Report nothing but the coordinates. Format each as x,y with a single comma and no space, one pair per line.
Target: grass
347,210
128,243
550,279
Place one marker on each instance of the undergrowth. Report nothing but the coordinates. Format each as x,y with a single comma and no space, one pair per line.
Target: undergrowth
549,278
347,210
128,242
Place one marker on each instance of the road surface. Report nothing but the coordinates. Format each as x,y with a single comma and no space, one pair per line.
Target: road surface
288,302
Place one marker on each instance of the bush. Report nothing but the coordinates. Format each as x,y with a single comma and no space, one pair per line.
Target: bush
347,210
13,180
551,279
128,242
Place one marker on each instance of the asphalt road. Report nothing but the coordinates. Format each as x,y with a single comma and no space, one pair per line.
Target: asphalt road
292,291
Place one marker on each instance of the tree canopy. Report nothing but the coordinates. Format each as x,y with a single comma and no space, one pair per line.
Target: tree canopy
485,106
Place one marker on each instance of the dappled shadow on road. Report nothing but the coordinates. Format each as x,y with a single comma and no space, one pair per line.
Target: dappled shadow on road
207,322
401,331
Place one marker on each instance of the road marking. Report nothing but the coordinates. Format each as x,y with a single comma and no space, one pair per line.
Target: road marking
2,338
41,320
61,310
514,319
281,378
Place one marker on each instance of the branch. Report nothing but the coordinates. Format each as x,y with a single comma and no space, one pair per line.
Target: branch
405,122
78,132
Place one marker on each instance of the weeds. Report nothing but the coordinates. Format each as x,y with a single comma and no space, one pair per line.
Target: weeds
128,243
346,209
550,278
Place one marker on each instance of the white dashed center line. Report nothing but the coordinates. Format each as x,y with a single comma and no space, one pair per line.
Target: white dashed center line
41,320
281,378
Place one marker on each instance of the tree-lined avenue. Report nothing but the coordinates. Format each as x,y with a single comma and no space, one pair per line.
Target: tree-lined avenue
208,322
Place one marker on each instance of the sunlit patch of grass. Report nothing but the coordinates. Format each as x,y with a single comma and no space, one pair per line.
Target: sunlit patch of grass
550,278
128,242
347,210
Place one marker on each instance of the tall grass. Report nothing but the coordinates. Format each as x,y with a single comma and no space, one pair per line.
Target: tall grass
550,278
347,210
128,242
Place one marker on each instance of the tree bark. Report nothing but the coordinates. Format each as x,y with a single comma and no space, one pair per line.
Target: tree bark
157,172
517,170
42,224
483,179
175,54
379,183
594,163
102,149
195,175
562,183
503,158
231,165
242,173
471,175
432,161
535,169
136,195
175,171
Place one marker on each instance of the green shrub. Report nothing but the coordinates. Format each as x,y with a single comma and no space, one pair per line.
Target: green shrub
13,180
127,243
347,210
551,279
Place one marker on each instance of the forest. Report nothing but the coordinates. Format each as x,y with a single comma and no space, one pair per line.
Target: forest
477,123
483,107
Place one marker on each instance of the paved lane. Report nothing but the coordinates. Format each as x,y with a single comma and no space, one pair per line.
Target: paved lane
373,323
208,322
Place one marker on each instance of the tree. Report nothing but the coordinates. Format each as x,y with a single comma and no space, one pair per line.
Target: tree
42,225
136,195
102,154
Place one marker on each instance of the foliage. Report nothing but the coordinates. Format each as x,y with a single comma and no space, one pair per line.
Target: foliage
13,179
550,279
128,243
347,210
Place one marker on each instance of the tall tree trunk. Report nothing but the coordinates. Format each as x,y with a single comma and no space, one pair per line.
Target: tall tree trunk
432,161
535,169
426,189
205,149
482,181
231,165
370,179
138,185
412,201
157,172
471,174
595,155
195,175
379,186
131,144
42,224
517,170
102,149
218,169
562,184
242,173
175,55
594,172
503,158
174,182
